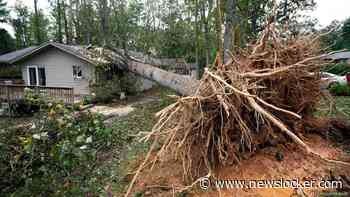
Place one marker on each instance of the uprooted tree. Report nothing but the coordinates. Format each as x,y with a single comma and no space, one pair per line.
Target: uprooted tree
263,94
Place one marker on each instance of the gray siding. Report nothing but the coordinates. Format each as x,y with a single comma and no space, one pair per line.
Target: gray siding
59,70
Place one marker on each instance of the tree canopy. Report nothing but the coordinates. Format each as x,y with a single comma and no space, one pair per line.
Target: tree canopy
191,29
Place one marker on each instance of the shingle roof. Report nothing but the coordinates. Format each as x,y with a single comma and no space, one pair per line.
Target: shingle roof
339,56
87,53
12,57
9,57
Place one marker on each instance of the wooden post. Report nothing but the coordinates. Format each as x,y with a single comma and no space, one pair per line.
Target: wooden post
7,88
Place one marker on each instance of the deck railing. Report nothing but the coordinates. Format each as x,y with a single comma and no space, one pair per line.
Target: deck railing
16,92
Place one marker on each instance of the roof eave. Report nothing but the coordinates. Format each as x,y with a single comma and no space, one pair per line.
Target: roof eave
45,45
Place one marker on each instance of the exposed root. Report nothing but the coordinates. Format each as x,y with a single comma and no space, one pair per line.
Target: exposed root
262,94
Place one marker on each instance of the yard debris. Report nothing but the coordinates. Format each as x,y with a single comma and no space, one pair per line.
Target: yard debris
261,95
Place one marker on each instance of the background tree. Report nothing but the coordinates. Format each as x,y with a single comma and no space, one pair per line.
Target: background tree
193,29
58,11
7,42
346,34
3,11
36,23
21,25
337,35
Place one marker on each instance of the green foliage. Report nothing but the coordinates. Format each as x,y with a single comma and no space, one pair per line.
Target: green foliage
339,37
61,153
107,90
3,10
87,100
338,69
346,34
340,90
10,72
7,42
25,26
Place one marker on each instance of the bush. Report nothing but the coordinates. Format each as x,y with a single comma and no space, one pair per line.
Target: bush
338,69
107,90
340,90
31,103
61,153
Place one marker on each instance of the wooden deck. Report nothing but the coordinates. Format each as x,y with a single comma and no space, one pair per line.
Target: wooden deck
10,93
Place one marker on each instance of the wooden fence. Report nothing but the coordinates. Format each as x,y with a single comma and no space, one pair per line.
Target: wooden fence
16,92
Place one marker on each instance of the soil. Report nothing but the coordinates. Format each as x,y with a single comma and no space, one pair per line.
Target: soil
291,163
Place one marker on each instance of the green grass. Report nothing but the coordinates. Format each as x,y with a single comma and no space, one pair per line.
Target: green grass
342,108
140,120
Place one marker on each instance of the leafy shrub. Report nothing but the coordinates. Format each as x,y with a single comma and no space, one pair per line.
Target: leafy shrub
338,69
31,103
87,100
61,153
107,90
340,90
10,72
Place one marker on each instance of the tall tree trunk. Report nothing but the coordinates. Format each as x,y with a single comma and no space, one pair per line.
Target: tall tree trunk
66,25
74,16
36,23
59,22
206,31
198,67
104,16
218,24
230,25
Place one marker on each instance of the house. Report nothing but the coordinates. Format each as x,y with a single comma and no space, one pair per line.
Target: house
57,65
343,56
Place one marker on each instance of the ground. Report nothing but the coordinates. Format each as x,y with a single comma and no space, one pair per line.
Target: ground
263,165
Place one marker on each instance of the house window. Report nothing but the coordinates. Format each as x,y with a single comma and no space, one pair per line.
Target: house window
77,72
36,76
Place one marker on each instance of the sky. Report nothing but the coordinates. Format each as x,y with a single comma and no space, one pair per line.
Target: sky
326,10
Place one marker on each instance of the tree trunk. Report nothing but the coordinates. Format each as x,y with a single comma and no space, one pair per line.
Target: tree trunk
198,67
218,25
230,24
66,25
36,23
205,19
184,85
59,22
104,16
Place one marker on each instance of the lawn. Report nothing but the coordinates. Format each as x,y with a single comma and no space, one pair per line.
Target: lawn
142,119
341,110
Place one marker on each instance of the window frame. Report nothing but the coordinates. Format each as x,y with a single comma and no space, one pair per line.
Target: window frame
76,76
36,75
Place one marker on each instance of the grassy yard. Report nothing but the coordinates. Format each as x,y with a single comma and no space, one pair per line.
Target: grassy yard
341,110
142,119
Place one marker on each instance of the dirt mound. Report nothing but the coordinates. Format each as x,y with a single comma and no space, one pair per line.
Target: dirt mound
262,165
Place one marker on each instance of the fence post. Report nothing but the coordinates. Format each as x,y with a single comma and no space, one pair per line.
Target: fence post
7,88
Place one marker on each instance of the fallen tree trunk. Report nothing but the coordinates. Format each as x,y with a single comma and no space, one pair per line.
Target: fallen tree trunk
184,85
144,66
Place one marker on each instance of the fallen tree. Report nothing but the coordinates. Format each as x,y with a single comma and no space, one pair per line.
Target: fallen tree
143,66
258,98
183,85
